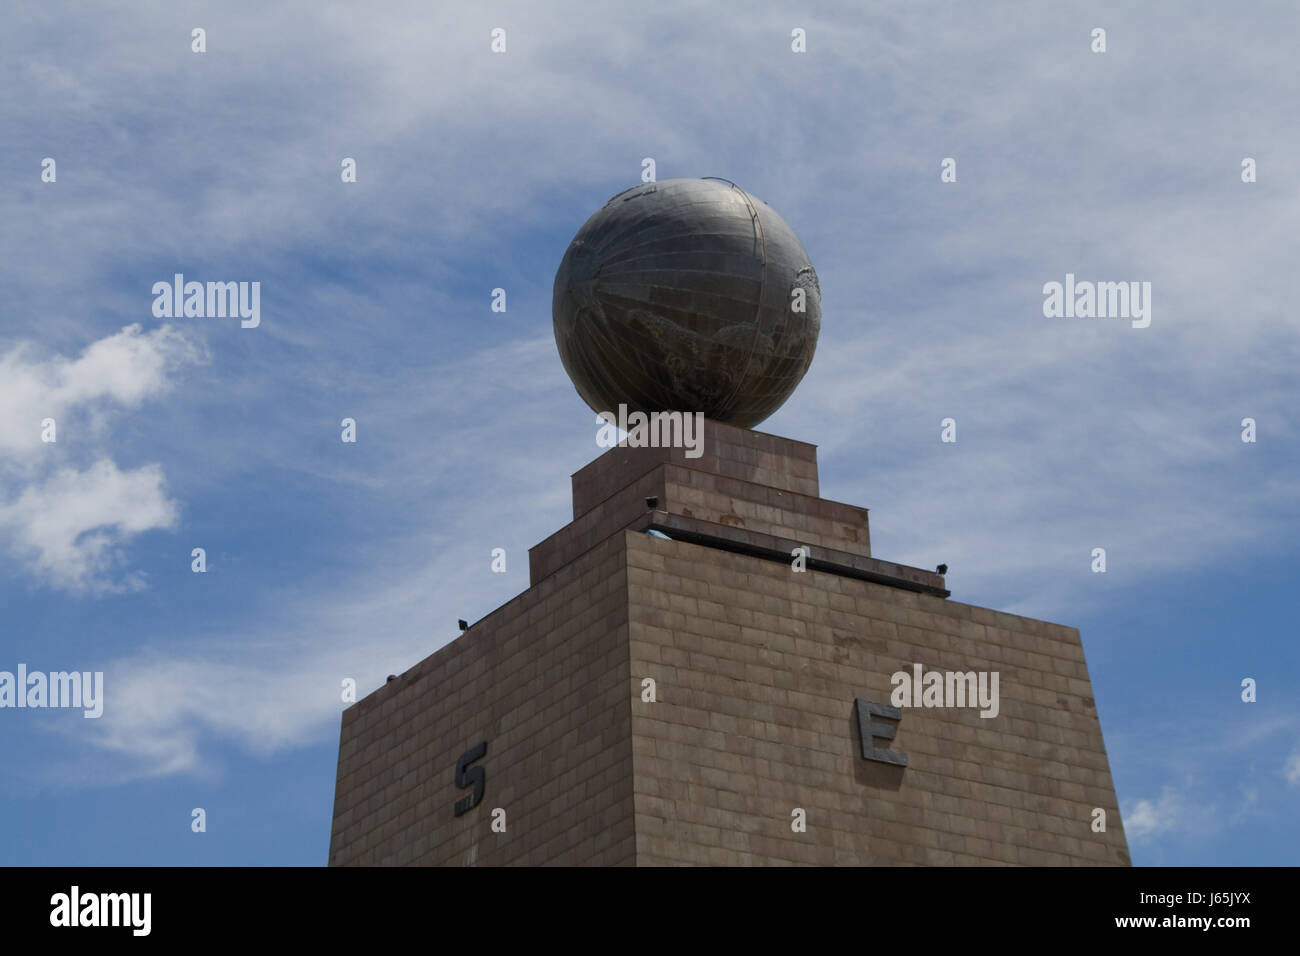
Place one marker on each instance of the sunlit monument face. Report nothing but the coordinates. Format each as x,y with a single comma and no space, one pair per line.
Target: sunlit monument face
687,295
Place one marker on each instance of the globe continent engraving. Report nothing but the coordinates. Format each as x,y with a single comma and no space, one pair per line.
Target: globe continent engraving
687,295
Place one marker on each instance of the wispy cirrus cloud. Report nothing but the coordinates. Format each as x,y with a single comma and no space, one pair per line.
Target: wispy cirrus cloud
1291,768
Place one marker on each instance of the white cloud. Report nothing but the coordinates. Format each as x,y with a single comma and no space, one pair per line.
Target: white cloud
122,370
1145,819
73,525
1198,805
66,522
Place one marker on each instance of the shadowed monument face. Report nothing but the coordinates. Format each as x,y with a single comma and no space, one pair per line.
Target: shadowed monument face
687,295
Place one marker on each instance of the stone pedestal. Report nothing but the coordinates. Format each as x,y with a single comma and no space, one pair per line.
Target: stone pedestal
764,677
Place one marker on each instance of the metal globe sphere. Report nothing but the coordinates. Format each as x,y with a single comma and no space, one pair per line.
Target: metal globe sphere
687,295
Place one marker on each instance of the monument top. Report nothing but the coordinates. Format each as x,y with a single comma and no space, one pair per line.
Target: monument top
687,295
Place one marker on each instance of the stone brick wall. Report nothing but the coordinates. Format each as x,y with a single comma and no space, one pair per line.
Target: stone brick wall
757,668
756,457
542,680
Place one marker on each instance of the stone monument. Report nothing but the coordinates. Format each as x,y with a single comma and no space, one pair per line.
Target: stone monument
710,666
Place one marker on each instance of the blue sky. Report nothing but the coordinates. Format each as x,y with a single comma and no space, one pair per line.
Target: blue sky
329,560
